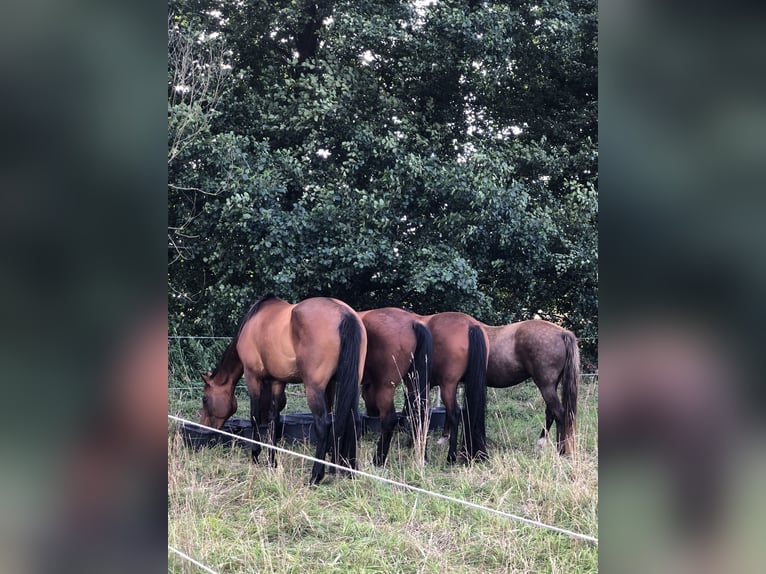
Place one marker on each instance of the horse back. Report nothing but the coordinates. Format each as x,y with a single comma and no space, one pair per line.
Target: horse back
266,345
533,348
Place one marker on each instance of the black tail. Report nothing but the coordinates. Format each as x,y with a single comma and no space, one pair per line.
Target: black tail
475,399
347,389
420,375
569,378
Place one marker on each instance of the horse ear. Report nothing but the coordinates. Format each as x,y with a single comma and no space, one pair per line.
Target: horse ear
206,376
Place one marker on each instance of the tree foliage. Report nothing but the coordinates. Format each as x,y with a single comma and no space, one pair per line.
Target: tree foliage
437,156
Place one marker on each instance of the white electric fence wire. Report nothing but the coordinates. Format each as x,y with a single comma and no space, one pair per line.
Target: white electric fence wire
210,337
195,337
192,560
394,482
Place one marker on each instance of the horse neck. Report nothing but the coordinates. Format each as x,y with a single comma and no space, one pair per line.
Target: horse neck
231,368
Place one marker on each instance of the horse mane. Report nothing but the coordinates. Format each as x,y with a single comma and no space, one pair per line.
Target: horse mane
231,351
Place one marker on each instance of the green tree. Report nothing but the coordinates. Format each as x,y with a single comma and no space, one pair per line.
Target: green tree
439,157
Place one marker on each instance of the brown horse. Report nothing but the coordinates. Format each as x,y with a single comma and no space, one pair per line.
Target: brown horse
399,348
320,342
549,355
460,354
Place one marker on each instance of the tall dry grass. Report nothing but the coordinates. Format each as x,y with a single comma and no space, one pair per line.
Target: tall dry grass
238,517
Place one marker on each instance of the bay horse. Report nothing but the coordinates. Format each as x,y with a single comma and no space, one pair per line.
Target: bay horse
460,354
319,342
549,355
399,349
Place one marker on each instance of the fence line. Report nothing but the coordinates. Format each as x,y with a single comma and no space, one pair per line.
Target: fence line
192,560
238,388
300,394
396,483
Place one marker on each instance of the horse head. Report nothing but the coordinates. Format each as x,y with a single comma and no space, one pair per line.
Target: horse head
218,402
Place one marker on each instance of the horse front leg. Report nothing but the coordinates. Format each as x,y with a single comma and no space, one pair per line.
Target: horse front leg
254,390
278,402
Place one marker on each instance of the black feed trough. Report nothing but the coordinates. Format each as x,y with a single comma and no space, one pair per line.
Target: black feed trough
299,428
435,422
438,416
372,424
196,437
296,428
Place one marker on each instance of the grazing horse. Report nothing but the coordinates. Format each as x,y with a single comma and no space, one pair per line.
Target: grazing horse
320,342
549,355
399,348
460,354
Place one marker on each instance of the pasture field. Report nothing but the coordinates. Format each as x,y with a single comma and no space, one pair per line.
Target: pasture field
234,516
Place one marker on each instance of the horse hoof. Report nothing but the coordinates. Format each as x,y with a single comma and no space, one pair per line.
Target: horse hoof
345,474
540,445
314,481
443,440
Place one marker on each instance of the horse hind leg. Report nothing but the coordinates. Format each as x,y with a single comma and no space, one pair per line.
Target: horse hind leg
417,407
387,425
451,419
444,439
554,410
332,442
323,430
546,429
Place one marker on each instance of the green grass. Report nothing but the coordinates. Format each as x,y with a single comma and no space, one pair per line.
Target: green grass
238,517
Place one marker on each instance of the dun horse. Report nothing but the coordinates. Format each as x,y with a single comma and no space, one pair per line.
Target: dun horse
549,355
320,342
399,348
460,354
